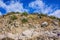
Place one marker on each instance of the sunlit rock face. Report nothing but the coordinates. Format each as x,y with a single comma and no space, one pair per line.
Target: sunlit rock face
28,27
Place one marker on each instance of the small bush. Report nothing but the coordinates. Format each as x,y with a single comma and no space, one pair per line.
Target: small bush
10,13
53,17
18,13
41,14
25,13
58,19
13,17
24,20
31,16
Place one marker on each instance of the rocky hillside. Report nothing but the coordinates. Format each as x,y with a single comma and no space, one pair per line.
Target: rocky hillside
23,26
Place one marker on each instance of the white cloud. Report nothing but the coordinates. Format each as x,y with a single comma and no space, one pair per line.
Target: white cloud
40,6
2,4
37,4
56,13
0,13
13,7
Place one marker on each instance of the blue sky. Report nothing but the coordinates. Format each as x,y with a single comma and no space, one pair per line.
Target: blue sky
50,7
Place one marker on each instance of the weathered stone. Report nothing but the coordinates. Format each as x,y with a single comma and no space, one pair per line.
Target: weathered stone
55,22
7,38
44,24
28,33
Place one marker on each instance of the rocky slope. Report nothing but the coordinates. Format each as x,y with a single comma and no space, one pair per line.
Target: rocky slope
17,26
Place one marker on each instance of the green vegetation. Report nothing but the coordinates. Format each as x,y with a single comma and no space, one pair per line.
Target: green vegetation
41,14
53,17
58,19
10,13
13,17
25,13
24,20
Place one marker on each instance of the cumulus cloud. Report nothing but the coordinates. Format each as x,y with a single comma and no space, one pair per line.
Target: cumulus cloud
13,7
56,13
37,5
2,4
40,6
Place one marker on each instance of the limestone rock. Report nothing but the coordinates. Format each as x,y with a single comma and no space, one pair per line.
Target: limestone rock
28,33
44,24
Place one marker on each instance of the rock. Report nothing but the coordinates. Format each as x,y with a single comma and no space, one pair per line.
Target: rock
35,33
15,24
2,36
44,24
55,22
57,31
7,38
32,30
58,34
10,35
50,34
28,33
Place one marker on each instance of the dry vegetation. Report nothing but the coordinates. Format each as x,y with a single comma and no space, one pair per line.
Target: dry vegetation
29,26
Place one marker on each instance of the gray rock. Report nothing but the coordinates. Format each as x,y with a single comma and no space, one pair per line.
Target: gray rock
28,33
44,24
55,22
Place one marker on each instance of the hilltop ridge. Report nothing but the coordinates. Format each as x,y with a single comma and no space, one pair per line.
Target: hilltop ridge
24,26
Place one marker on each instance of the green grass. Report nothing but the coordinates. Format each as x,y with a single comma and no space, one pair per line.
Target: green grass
25,13
24,20
13,17
52,17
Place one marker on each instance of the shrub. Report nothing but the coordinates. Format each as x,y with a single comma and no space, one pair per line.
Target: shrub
53,17
24,20
41,14
31,16
25,13
58,19
13,17
17,12
10,13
